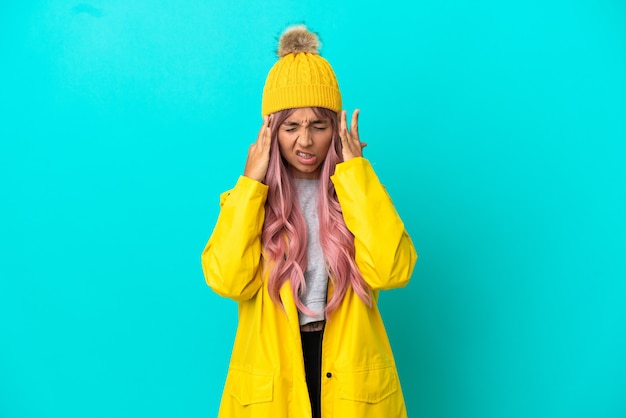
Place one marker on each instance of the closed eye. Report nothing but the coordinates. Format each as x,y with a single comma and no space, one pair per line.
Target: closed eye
290,126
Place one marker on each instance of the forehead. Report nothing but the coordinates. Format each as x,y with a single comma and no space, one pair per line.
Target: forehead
304,115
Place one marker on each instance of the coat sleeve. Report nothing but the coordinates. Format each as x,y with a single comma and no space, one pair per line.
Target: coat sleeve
384,251
232,257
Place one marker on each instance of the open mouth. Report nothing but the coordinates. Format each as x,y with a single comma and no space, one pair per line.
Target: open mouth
305,157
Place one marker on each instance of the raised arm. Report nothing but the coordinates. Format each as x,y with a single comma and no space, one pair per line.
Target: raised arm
231,258
384,251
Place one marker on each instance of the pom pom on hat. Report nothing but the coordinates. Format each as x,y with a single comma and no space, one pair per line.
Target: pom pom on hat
297,39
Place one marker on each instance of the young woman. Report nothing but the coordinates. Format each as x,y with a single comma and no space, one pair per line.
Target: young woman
304,242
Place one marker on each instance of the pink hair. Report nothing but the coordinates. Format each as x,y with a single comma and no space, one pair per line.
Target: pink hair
284,229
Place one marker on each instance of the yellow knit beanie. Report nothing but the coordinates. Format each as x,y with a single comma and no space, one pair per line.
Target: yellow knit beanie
301,77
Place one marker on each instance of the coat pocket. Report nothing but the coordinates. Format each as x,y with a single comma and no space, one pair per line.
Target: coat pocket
250,387
371,385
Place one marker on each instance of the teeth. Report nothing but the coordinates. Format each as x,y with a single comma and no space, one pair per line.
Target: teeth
304,155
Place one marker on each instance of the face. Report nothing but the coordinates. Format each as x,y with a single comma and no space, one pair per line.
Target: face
303,140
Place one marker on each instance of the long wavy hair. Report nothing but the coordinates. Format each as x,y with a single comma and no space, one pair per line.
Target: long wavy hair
284,230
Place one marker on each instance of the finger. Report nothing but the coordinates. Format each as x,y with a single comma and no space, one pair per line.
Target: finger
268,131
354,126
342,127
263,132
363,145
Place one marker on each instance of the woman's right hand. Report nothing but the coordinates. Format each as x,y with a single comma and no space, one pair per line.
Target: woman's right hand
259,153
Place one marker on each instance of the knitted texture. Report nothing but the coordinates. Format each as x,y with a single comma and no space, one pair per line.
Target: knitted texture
301,77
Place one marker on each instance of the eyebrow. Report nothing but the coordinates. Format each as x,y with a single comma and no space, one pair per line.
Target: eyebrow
314,122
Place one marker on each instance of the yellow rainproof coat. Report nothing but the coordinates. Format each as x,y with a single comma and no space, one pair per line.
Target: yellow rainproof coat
266,374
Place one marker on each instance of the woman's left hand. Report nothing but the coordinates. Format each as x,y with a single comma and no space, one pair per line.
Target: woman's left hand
352,146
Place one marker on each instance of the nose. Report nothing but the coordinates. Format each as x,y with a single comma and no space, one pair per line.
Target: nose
306,139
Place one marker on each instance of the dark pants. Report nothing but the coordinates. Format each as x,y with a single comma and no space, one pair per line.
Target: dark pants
312,349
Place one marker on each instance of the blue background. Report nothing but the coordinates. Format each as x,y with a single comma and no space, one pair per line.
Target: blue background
497,127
